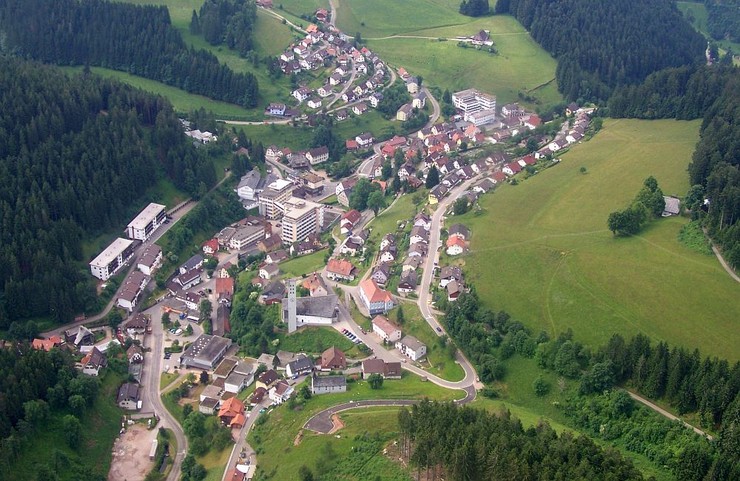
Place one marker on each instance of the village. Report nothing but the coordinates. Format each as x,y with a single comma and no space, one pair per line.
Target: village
367,274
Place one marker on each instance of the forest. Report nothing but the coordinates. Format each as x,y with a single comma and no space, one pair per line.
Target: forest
461,444
711,92
136,39
36,386
77,153
723,19
680,378
601,45
226,21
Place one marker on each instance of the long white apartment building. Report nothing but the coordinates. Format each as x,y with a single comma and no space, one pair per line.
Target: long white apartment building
272,198
301,218
471,101
146,222
112,258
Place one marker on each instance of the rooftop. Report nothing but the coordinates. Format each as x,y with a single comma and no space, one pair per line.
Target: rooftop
207,347
111,252
385,324
147,215
412,343
329,381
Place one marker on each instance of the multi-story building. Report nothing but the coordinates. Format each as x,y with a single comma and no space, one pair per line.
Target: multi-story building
112,258
471,101
146,222
272,198
301,218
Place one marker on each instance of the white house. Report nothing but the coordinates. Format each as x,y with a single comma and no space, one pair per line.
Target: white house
235,383
385,329
412,348
328,384
302,365
280,392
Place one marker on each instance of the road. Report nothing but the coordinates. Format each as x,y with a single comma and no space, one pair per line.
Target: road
250,457
670,416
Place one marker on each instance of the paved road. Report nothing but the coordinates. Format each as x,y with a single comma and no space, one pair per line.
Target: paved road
250,457
670,416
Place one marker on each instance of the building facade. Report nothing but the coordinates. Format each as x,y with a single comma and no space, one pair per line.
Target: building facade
146,222
112,258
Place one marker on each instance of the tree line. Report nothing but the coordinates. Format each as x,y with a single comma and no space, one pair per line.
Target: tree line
723,19
648,204
462,443
475,8
602,45
136,39
709,387
229,22
711,92
77,155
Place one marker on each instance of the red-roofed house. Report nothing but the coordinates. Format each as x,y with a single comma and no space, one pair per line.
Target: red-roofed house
340,269
512,168
224,288
375,299
230,409
349,219
47,344
498,177
384,328
455,246
210,247
351,144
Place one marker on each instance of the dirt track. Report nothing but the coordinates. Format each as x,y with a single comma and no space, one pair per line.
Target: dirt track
131,454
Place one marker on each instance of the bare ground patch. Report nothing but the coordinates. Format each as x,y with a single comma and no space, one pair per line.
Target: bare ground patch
131,454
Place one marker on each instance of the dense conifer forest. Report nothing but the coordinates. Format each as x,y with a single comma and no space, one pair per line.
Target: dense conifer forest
227,22
470,444
600,45
76,153
723,19
135,39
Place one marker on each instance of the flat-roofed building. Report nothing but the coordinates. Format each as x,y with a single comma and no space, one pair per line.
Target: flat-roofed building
205,352
112,258
246,236
146,222
271,199
301,218
472,100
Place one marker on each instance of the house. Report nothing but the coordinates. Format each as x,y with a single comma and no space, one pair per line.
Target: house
93,362
79,336
406,171
231,412
335,79
419,234
277,256
314,103
150,260
672,206
325,90
388,254
267,379
301,93
302,365
268,271
205,352
454,289
404,112
348,221
195,262
512,168
333,360
364,140
47,344
423,220
411,264
482,38
318,155
132,289
138,324
459,230
135,354
280,392
272,293
437,193
385,329
270,243
328,384
185,281
315,286
412,348
276,109
412,85
235,383
350,247
257,396
208,405
381,274
418,250
387,241
408,282
484,186
448,274
455,246
375,299
351,144
389,370
340,269
128,396
210,247
360,108
375,99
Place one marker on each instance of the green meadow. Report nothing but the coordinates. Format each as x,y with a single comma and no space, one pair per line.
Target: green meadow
542,250
381,18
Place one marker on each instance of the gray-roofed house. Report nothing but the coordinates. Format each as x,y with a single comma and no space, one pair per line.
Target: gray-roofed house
328,384
300,366
128,396
412,348
195,262
448,274
235,383
272,293
672,206
408,282
381,274
205,352
460,231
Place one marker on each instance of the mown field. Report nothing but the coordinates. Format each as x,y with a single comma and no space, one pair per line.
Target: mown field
381,18
542,250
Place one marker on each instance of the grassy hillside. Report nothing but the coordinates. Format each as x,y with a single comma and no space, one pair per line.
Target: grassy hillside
696,13
542,250
381,18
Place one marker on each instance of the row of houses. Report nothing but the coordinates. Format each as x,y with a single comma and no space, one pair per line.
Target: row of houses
390,333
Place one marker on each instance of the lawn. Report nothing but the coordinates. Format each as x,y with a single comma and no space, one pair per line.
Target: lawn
303,265
520,65
274,440
543,253
382,18
300,7
438,360
215,463
295,138
167,378
388,221
100,426
315,340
